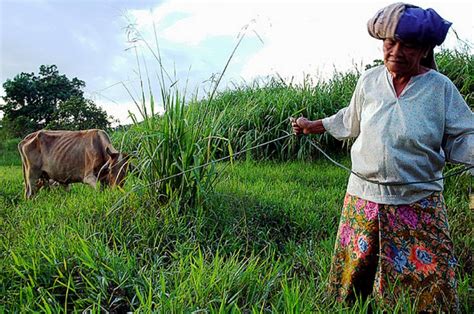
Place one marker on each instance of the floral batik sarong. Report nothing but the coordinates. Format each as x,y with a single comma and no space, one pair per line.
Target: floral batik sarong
393,251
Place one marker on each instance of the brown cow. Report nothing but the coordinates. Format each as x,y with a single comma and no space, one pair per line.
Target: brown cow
70,156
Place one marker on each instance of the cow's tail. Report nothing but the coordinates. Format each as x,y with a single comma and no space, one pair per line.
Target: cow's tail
24,161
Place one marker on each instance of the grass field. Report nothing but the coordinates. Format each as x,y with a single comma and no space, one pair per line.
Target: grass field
262,242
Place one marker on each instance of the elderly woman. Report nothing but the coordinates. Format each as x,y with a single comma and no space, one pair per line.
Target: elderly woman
407,119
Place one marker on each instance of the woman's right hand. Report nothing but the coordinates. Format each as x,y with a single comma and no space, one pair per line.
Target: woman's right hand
305,126
297,130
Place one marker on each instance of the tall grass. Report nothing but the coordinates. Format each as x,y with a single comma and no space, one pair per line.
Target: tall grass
173,151
458,65
259,112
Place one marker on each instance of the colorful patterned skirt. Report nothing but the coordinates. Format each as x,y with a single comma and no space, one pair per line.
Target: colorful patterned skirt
395,251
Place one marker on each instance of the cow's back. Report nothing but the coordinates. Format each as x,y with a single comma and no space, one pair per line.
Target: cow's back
66,156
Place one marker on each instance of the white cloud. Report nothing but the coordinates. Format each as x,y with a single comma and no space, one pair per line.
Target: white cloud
192,22
300,39
120,111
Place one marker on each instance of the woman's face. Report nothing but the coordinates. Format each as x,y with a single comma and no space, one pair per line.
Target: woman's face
402,58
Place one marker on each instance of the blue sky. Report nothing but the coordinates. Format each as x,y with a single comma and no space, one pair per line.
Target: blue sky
88,39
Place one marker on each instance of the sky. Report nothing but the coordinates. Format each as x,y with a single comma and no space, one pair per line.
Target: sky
96,41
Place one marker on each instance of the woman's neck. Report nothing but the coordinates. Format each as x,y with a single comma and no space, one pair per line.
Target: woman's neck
400,80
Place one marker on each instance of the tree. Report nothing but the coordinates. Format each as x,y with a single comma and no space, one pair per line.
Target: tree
78,113
33,102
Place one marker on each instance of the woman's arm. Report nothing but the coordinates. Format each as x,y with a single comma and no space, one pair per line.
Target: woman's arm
458,140
344,124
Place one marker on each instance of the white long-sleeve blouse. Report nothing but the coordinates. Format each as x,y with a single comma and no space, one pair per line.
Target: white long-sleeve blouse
405,138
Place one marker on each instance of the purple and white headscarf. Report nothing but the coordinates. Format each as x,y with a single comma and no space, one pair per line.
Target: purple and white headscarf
409,23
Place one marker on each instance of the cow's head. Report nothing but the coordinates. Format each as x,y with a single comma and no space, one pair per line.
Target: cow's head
117,167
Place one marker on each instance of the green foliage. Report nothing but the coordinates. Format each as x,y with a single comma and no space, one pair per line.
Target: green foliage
9,154
16,128
175,151
33,102
458,65
78,113
258,112
457,189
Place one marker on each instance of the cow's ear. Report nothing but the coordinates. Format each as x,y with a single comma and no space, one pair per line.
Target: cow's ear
114,155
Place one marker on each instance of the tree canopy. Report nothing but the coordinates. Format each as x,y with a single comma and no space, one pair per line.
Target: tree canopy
48,100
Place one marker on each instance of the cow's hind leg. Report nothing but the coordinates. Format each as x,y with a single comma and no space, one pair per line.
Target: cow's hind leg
31,178
31,184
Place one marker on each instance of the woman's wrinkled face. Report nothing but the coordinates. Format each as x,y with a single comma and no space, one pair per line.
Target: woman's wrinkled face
402,58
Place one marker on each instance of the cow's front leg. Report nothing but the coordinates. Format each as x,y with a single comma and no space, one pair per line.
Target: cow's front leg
91,180
66,187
